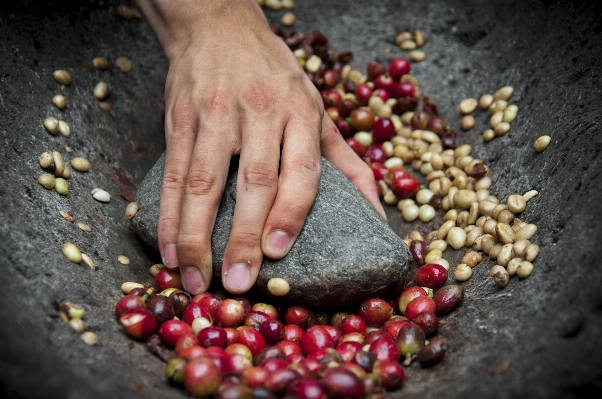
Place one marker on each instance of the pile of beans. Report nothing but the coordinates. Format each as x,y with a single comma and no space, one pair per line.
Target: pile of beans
232,348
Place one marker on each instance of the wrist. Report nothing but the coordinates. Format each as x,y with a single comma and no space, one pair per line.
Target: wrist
180,23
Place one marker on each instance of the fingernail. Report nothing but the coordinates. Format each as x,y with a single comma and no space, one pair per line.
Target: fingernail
192,280
170,258
238,277
277,243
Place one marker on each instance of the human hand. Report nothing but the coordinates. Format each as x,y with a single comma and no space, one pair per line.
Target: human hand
234,87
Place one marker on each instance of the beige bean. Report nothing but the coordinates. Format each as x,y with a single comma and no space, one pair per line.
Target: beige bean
463,272
486,101
426,213
364,138
441,245
476,246
489,226
529,195
495,250
481,221
100,63
472,236
516,203
497,210
506,216
393,162
408,45
501,278
503,93
445,228
417,56
468,106
524,269
530,253
52,125
467,122
47,181
498,106
71,252
505,233
410,213
128,286
86,260
462,220
501,129
66,172
80,164
131,210
433,255
488,135
513,266
278,286
526,232
510,113
495,269
542,143
101,90
61,186
62,77
60,101
505,254
456,237
473,213
464,198
442,262
519,246
472,258
64,129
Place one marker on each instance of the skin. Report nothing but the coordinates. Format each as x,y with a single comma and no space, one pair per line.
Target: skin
234,88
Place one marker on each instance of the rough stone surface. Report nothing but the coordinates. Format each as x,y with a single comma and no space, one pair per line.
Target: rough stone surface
345,252
546,329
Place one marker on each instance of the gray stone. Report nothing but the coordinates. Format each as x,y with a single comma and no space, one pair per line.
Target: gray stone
346,252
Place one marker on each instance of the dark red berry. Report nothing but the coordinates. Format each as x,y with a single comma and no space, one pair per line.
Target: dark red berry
300,316
401,90
229,313
195,310
307,388
375,311
399,67
408,295
394,173
344,128
431,275
236,363
167,278
379,170
405,186
255,376
375,153
390,373
374,69
419,305
342,383
289,347
448,298
393,328
213,336
335,334
161,307
128,302
193,352
384,82
268,309
382,93
251,338
418,251
272,331
293,332
172,330
139,323
353,323
428,322
278,380
185,341
201,377
315,338
385,349
433,353
254,319
208,300
383,130
363,92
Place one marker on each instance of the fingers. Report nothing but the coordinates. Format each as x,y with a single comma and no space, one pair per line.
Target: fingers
204,184
300,173
256,189
342,156
180,134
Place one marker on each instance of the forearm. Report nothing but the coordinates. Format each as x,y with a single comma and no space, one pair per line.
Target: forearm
178,23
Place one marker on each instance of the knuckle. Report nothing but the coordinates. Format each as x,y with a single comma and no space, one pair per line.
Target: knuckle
307,165
172,180
260,174
193,245
216,105
246,239
200,182
258,98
